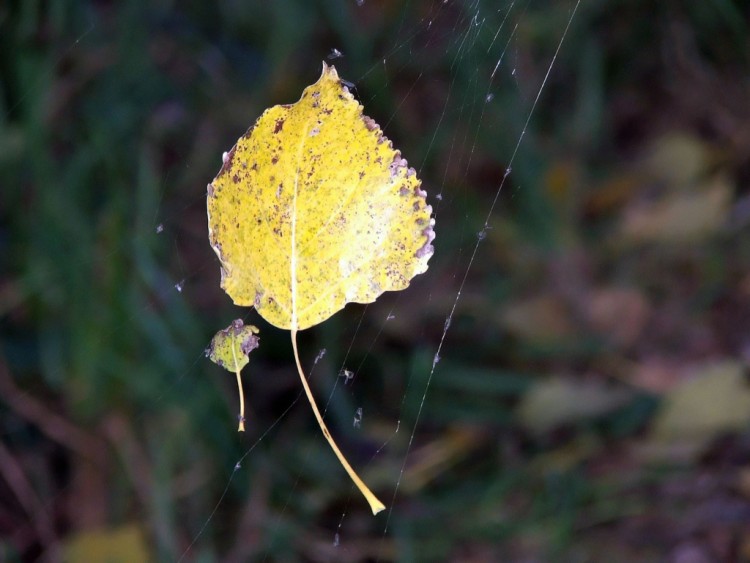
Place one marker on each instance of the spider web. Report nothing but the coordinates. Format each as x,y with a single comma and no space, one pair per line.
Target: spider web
462,121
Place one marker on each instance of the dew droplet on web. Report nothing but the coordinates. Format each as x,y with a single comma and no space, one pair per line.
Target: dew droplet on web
435,360
508,171
319,356
224,157
357,418
336,538
179,286
159,228
390,317
481,235
439,197
489,97
447,324
237,466
334,54
347,375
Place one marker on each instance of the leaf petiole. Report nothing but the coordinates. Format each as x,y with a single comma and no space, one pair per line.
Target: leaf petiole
375,504
241,427
237,370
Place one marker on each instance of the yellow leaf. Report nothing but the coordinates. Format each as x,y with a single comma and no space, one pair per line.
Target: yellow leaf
559,400
117,545
715,400
680,217
313,209
230,348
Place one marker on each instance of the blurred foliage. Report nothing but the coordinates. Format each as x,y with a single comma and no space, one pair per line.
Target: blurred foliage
611,276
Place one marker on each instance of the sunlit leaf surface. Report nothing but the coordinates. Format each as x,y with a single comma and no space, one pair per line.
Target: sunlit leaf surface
313,208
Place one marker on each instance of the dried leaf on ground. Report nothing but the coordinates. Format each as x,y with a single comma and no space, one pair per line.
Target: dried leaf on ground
125,544
618,314
679,217
715,400
542,318
557,401
678,160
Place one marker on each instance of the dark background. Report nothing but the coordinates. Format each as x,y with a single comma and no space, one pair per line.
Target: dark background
590,402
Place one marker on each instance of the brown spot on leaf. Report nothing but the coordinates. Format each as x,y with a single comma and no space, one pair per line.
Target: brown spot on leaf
226,160
279,126
249,344
427,249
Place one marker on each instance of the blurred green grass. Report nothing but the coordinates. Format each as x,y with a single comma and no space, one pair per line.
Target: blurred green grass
114,119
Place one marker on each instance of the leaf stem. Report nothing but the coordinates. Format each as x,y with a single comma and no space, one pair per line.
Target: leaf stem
237,370
375,505
241,427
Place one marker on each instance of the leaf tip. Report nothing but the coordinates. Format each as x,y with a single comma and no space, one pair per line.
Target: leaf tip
329,71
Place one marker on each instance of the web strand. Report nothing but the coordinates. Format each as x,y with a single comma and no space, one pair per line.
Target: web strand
162,227
469,265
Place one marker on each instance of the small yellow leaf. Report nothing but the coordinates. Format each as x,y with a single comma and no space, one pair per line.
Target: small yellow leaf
313,208
230,348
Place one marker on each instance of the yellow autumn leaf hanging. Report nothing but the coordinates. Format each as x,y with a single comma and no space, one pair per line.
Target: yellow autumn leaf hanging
230,348
313,208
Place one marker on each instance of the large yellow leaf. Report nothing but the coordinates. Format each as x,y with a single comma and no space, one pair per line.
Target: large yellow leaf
313,209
